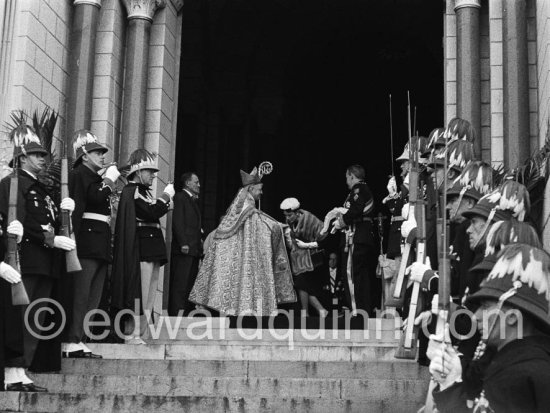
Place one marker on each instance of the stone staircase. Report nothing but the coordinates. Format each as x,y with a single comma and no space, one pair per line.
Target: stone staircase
203,365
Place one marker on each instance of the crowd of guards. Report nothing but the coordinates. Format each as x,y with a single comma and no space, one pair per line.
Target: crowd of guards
465,245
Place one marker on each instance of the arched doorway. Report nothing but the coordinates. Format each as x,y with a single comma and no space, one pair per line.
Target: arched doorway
306,86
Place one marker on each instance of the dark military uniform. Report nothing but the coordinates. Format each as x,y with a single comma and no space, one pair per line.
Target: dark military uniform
360,205
517,380
152,247
395,205
91,223
138,239
40,262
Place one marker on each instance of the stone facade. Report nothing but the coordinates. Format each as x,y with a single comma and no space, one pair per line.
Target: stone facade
34,72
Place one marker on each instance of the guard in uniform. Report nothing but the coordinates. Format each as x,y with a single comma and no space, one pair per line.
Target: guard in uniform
139,249
38,213
360,252
513,314
91,223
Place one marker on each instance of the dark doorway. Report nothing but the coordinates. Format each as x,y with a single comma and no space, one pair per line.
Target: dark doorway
305,85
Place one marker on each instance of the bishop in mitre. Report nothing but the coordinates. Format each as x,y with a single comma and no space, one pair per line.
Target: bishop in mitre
246,269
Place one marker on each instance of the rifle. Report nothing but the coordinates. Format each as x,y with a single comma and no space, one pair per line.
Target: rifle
408,345
444,286
398,296
18,292
71,257
379,270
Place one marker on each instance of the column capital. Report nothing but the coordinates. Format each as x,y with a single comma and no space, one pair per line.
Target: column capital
96,3
459,4
143,9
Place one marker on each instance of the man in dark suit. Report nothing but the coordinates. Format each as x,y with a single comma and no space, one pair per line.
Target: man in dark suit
333,285
186,244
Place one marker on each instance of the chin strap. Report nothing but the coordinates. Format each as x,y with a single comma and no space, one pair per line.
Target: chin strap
486,227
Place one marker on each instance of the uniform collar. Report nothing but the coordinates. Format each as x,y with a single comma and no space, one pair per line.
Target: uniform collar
30,174
192,195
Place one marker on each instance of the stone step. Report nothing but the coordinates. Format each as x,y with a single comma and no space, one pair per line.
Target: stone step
48,402
343,323
356,389
197,332
396,369
200,350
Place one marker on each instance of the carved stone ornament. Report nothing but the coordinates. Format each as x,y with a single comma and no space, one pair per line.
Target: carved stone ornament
459,4
143,9
96,3
178,4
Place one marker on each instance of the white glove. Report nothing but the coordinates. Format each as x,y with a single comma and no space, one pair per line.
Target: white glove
8,273
67,204
112,173
445,366
407,227
302,244
417,270
423,318
169,189
64,243
16,228
392,186
405,210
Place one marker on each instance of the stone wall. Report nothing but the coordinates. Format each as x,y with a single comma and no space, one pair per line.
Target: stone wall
543,79
39,60
449,30
496,81
108,75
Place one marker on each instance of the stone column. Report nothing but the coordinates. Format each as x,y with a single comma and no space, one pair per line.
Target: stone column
140,16
468,66
515,82
81,65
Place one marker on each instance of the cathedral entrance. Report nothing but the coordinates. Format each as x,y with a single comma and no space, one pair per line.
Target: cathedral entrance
304,85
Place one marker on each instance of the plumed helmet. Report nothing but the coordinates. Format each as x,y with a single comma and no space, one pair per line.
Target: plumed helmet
503,233
252,178
515,198
460,129
475,181
141,159
290,204
436,141
459,153
26,141
522,275
419,143
510,200
85,142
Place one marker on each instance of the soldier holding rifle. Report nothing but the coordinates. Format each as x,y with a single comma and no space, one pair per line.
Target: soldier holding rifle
38,213
91,222
513,316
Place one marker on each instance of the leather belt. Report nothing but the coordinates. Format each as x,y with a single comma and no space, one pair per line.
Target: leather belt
397,219
97,217
148,224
